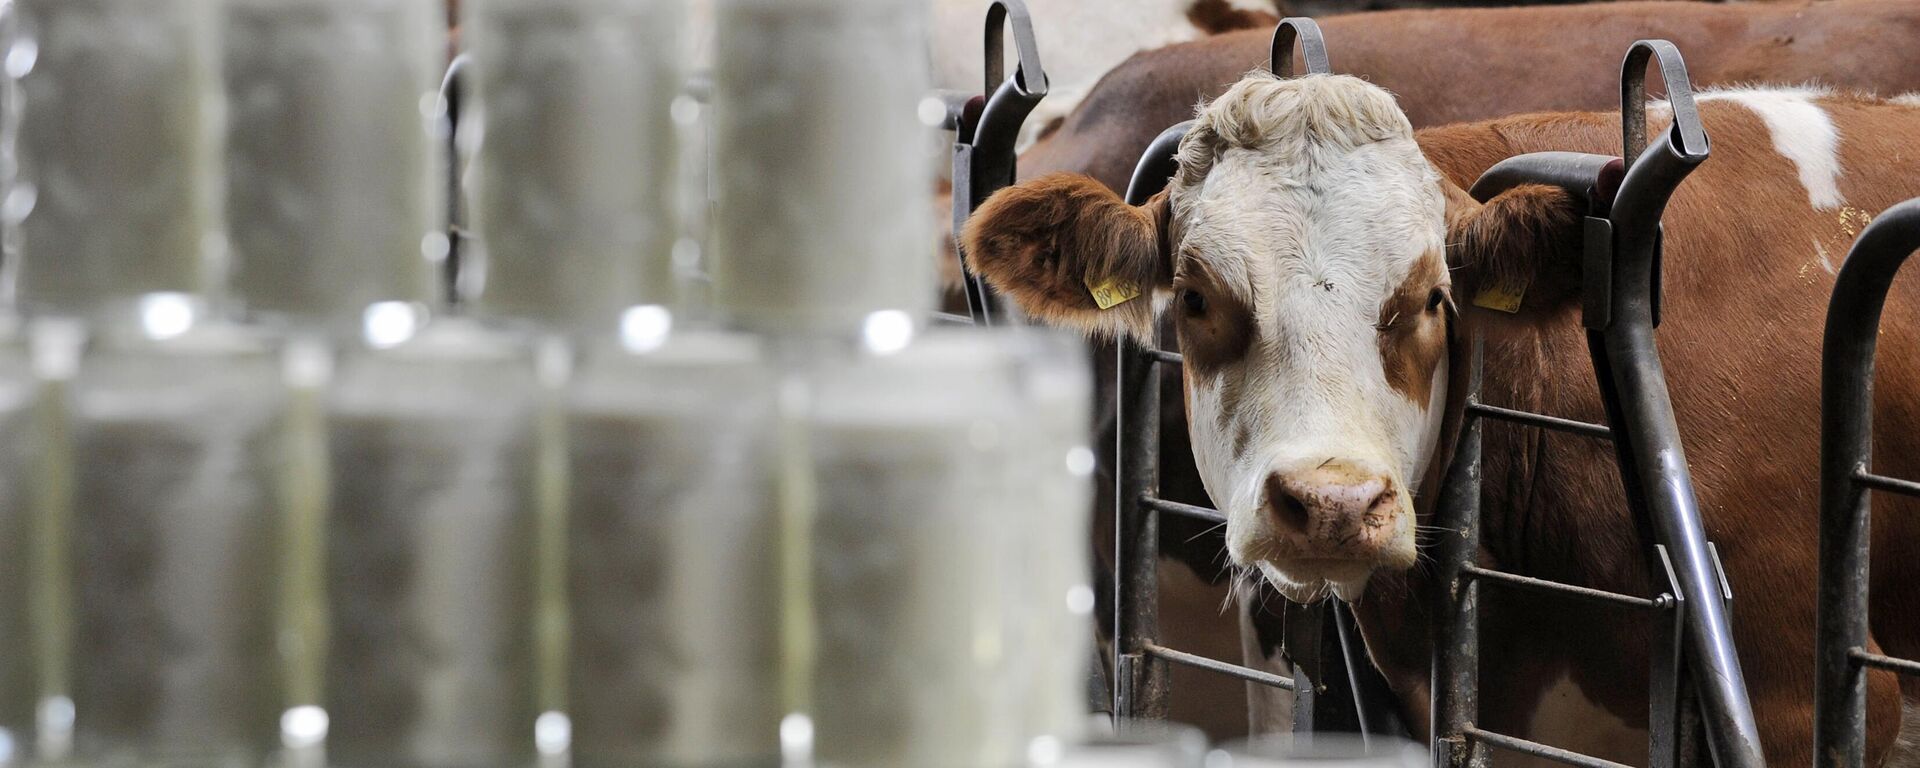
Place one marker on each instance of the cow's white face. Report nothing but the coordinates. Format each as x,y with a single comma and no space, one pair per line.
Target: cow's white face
1310,292
1301,253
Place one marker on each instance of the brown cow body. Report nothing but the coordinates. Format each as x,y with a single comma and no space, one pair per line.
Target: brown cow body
1748,271
1752,240
1457,65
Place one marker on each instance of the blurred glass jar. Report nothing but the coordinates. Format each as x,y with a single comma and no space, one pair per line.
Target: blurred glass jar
21,440
434,498
334,193
1055,472
119,179
1143,744
169,475
820,177
1322,750
915,560
573,182
674,562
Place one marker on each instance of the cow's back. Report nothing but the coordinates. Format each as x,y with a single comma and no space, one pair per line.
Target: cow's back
1456,65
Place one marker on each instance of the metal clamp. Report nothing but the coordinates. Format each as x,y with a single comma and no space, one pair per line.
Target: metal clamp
1313,47
1655,173
1029,74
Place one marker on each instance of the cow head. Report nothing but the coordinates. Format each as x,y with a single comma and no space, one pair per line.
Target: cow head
1302,252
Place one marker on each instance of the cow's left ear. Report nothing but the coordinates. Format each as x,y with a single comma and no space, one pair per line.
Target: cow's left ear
1070,252
1519,251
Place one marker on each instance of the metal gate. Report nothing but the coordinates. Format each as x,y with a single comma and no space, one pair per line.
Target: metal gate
1846,480
1693,646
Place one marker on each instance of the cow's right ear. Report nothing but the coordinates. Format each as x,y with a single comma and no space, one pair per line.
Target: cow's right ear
1070,252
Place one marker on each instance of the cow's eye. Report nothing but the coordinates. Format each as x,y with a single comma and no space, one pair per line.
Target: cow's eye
1436,300
1195,303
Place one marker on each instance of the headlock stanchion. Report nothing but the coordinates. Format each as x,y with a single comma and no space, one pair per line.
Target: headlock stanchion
1693,645
1329,667
987,131
1846,478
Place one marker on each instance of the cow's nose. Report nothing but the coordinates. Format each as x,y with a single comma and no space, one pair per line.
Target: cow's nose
1342,507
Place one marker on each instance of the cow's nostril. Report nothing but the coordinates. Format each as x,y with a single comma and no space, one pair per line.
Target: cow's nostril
1288,510
1380,511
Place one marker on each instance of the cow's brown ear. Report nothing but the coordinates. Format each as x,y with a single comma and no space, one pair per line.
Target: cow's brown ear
1070,252
1519,251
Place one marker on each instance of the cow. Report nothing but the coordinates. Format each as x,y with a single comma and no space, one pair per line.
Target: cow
1320,265
1458,65
1449,66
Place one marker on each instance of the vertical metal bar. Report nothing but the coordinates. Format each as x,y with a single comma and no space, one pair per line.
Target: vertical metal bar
1142,686
1846,447
1456,627
1665,665
1658,458
1326,698
1366,688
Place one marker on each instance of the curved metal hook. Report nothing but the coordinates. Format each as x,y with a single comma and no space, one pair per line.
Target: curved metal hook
1313,47
1032,76
1690,138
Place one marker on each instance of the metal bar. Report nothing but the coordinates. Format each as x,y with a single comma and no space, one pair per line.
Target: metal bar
1888,484
1367,713
1142,693
950,318
1202,514
1166,358
1157,165
1536,749
1568,590
1666,681
1221,667
1644,402
1542,421
1583,175
1902,666
1456,626
1846,449
453,93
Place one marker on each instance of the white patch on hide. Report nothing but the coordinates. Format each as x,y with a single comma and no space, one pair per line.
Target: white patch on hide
1802,132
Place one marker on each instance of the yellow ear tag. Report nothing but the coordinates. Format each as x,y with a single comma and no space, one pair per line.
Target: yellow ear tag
1112,292
1501,298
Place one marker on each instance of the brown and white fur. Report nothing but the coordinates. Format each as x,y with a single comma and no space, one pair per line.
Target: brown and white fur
1318,260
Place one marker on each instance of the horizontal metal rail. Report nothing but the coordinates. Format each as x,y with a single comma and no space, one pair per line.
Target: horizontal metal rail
1662,602
1902,666
1536,749
1888,484
1212,665
950,318
1164,357
1554,423
1203,514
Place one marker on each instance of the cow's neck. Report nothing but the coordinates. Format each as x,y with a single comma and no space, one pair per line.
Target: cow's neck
1395,616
